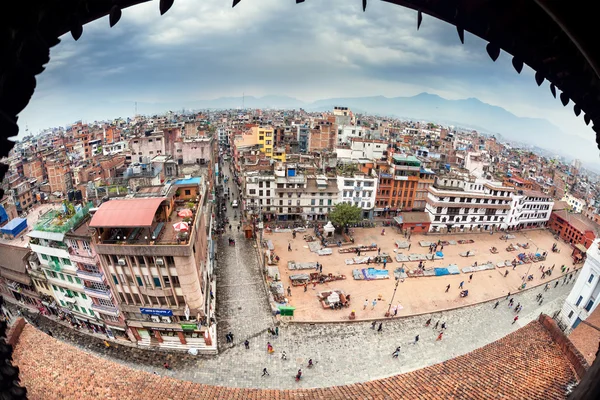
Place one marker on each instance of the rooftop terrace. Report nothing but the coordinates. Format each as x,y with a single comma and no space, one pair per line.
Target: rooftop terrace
58,221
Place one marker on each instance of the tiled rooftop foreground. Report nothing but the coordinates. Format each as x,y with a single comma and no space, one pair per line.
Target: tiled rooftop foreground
526,364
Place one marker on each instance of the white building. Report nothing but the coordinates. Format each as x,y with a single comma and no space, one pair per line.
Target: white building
581,302
576,205
529,209
347,133
259,192
359,190
363,149
459,204
115,148
47,241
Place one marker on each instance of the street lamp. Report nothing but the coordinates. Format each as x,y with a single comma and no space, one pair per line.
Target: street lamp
387,314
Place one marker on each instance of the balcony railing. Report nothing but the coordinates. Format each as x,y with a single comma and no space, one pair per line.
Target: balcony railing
114,311
90,276
103,294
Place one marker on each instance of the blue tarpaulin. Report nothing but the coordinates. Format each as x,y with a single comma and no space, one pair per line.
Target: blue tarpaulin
3,215
14,226
439,254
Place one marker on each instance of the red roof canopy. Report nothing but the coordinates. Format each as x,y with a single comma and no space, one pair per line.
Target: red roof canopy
126,213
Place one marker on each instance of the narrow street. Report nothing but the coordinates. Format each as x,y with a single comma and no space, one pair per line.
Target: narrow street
242,306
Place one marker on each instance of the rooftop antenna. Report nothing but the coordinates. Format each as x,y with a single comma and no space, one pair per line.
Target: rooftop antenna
136,109
243,100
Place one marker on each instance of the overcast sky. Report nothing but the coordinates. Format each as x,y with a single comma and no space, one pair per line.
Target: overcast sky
204,49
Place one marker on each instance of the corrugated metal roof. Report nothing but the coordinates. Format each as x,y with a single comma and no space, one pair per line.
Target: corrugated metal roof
57,237
126,213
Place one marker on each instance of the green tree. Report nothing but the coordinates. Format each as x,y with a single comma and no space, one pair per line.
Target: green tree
344,214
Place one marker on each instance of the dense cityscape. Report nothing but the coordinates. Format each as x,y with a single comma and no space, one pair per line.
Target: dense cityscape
116,229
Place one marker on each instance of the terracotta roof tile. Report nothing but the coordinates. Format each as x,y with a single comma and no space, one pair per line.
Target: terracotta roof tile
526,364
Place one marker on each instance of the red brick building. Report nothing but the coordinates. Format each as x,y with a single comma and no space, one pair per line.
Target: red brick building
572,228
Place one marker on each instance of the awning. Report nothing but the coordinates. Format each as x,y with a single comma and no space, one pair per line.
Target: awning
581,248
399,220
58,237
126,213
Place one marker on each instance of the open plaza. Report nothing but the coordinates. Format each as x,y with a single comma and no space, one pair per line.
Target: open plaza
420,294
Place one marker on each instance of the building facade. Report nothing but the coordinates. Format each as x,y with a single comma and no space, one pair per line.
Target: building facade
582,300
529,209
160,275
456,204
359,190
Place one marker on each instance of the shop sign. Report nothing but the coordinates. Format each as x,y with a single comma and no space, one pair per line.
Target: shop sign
189,327
156,311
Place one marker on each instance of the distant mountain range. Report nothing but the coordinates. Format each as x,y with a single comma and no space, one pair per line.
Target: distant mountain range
467,113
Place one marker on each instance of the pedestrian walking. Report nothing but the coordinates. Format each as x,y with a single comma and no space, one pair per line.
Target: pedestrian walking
416,339
276,331
380,328
167,366
436,325
506,273
289,290
519,310
470,277
461,285
508,295
496,305
283,355
321,268
265,372
517,307
515,319
384,264
440,336
395,311
247,344
373,324
270,348
443,325
409,247
365,304
379,251
556,284
428,322
374,304
447,288
396,352
289,247
305,287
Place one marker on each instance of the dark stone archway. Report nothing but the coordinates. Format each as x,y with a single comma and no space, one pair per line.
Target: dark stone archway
555,38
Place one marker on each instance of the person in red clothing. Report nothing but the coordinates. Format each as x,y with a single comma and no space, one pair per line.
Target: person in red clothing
515,319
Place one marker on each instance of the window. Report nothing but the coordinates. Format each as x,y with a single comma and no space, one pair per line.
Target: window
44,257
156,281
591,278
115,279
76,294
139,280
61,276
62,303
83,296
83,310
54,287
570,314
61,289
69,278
188,192
579,300
75,307
78,280
66,261
175,280
589,305
86,245
74,244
166,281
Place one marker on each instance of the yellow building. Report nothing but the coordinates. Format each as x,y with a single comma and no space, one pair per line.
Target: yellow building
264,138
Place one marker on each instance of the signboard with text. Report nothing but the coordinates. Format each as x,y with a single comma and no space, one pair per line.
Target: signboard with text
156,311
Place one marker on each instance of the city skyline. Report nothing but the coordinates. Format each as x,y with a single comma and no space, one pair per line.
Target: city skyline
308,51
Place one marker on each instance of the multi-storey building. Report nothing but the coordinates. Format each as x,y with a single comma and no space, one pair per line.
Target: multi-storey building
59,176
259,193
15,283
572,228
398,184
359,190
303,136
22,196
47,240
467,204
529,209
583,298
575,205
322,136
95,283
158,264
